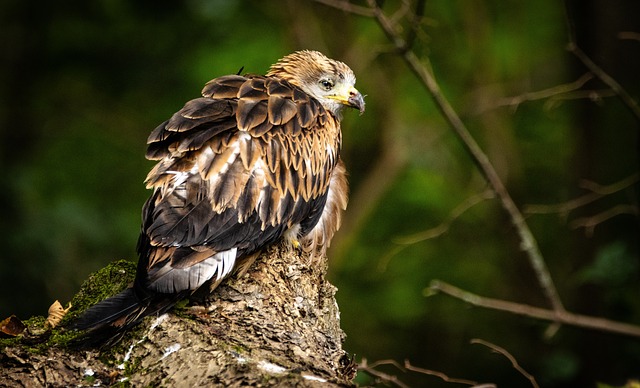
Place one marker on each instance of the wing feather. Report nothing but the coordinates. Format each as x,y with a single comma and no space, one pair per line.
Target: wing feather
261,129
223,87
229,186
305,115
277,87
212,164
253,90
198,108
249,152
293,127
280,109
248,199
250,114
273,153
195,142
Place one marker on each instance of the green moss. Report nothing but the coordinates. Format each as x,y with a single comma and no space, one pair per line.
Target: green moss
100,285
5,342
38,337
132,366
181,309
237,348
35,322
107,282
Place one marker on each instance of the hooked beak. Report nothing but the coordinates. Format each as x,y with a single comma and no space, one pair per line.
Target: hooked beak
356,100
351,98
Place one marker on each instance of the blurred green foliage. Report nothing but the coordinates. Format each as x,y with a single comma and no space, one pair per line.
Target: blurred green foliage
83,83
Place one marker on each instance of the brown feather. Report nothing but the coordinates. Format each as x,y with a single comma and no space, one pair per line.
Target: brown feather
281,110
248,199
250,113
248,152
223,87
212,164
275,87
261,129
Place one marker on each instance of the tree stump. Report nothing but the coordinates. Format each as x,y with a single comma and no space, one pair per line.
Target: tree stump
276,325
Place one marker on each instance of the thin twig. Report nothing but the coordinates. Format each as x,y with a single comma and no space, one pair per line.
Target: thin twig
416,19
606,78
597,192
589,223
563,317
375,364
515,101
444,227
595,95
612,188
509,357
440,375
403,10
573,48
436,231
408,367
527,241
370,369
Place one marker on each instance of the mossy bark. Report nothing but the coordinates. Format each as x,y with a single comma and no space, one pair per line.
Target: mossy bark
276,325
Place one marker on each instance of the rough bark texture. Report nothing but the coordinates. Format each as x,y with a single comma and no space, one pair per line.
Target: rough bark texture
276,325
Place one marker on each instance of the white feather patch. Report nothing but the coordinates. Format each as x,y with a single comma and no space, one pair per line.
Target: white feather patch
219,265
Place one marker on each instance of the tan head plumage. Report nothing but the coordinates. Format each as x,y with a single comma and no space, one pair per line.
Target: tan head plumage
331,82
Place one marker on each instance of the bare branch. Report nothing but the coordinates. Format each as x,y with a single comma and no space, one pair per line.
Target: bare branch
561,317
515,101
375,364
606,78
589,223
612,188
597,192
424,74
509,357
595,95
573,48
369,368
385,377
440,375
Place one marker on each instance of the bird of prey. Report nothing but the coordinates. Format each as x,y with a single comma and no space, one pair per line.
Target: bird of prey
254,160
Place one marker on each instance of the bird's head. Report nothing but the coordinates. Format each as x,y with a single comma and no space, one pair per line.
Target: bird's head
329,81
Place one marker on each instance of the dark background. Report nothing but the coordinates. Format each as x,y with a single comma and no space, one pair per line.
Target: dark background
83,83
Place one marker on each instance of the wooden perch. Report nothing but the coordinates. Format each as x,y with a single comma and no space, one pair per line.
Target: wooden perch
277,325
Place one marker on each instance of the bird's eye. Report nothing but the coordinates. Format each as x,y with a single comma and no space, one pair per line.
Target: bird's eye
326,84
